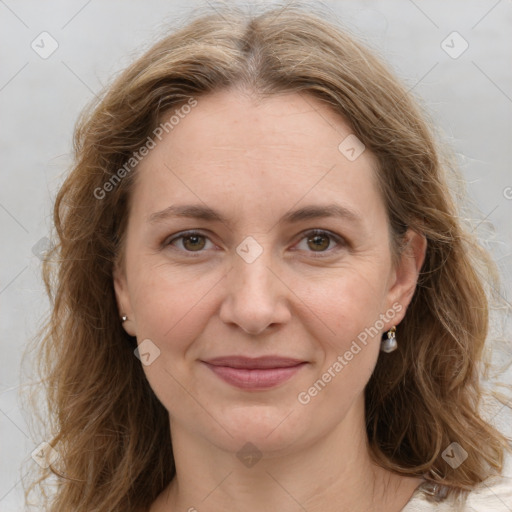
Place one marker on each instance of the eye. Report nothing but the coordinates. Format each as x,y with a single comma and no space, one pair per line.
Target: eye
189,241
314,241
319,241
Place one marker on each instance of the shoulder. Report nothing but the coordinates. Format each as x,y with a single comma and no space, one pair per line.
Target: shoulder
492,495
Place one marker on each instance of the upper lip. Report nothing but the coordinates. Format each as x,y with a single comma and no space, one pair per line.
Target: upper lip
254,362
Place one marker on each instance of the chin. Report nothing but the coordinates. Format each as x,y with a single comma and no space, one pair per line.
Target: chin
269,428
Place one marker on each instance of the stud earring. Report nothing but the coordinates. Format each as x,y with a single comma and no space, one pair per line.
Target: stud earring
124,318
389,344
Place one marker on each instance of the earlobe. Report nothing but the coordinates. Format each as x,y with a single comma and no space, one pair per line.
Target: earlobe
123,300
407,270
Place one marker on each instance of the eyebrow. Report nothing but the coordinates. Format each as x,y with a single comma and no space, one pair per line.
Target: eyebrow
203,212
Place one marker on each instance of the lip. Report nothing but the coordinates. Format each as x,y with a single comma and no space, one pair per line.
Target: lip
254,373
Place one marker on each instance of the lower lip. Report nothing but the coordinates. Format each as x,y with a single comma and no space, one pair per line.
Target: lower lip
255,378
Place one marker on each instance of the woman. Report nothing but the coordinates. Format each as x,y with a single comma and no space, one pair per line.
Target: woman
264,299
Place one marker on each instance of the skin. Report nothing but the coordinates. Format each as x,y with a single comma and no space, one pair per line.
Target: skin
195,299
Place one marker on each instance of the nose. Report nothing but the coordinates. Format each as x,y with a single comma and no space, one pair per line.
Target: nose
256,298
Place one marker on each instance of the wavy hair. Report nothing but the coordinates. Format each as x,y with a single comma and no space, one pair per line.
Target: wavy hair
108,427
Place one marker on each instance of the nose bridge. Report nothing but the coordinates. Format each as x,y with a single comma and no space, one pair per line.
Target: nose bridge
254,296
251,276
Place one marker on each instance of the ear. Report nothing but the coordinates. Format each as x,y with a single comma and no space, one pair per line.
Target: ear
405,275
123,298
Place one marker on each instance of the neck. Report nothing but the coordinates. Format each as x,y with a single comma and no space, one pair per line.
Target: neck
331,473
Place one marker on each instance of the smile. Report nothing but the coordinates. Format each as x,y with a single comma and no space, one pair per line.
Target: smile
254,374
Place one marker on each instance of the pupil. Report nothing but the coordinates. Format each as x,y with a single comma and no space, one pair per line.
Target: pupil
319,241
194,242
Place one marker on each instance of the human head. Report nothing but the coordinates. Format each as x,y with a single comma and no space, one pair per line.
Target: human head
283,297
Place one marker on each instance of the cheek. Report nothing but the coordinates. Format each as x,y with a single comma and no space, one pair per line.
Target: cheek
349,303
351,309
172,310
172,306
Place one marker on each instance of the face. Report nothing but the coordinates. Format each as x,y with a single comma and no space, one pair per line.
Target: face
257,257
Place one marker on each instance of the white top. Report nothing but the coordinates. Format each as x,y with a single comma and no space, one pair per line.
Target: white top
493,495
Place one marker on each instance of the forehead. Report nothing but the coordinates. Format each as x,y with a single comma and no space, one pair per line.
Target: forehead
233,149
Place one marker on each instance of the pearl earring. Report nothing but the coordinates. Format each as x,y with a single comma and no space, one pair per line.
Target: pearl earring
124,318
389,344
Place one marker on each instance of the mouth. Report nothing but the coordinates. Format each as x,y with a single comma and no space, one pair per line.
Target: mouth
254,373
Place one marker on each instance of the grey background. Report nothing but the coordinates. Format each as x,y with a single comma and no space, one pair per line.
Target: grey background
469,98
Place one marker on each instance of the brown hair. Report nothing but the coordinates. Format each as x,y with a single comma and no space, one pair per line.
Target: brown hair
110,430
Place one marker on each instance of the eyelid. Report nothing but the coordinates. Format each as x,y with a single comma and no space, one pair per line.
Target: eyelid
339,240
183,234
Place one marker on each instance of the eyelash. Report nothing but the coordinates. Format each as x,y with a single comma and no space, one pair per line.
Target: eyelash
312,232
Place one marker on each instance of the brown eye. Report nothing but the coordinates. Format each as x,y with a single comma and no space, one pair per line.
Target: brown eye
321,242
194,242
190,242
318,242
